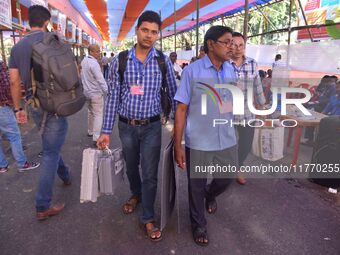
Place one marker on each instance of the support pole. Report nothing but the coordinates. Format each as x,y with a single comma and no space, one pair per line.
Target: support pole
246,19
160,32
305,19
175,32
290,20
197,22
3,48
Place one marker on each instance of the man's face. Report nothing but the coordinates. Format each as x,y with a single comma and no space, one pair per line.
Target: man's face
173,57
95,52
238,47
222,47
147,34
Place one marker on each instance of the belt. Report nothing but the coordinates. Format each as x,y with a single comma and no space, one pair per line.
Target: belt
135,122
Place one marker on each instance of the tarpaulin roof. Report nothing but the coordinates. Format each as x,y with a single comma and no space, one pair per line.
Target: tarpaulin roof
116,19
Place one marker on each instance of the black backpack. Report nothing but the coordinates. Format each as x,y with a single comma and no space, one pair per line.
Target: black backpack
165,97
56,78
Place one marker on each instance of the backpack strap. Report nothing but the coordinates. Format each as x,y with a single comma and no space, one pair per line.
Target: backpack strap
162,66
122,62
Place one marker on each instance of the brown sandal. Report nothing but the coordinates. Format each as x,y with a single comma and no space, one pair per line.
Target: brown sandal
152,232
130,206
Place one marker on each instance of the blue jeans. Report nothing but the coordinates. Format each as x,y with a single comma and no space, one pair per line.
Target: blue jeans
142,144
53,138
9,128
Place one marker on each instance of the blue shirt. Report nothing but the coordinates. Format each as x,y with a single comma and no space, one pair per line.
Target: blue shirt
132,106
200,133
333,107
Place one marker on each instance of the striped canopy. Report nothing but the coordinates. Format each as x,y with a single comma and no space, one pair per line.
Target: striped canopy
116,19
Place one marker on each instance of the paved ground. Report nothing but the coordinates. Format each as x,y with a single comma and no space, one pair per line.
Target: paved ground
266,216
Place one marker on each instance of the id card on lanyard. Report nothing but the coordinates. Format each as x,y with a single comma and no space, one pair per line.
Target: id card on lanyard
137,89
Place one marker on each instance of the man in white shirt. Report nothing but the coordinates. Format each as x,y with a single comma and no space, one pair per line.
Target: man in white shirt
95,88
177,68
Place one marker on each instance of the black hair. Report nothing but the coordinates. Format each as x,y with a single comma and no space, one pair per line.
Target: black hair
104,53
262,73
150,16
278,56
38,15
237,34
214,33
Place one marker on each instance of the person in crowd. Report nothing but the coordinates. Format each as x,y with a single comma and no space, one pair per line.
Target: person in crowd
262,74
193,59
204,143
111,57
277,61
322,98
95,90
54,128
9,127
105,61
177,68
248,76
333,107
201,53
269,73
324,91
266,83
137,101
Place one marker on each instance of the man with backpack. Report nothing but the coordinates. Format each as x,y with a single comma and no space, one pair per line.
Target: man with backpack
137,79
52,126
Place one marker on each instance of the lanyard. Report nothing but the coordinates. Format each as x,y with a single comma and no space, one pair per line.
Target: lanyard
139,71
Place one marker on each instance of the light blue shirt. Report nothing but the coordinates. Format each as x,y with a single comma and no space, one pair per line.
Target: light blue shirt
200,133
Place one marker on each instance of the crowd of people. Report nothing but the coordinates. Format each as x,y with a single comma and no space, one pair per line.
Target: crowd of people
131,96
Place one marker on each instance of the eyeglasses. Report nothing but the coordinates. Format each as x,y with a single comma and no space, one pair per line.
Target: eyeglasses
225,43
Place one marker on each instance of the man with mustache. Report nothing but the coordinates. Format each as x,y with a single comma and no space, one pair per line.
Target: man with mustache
135,96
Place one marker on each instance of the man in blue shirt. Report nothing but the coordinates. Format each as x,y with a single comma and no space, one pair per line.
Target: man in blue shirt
206,144
137,101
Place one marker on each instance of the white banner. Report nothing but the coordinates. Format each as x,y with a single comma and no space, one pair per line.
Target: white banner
80,36
62,24
6,13
73,32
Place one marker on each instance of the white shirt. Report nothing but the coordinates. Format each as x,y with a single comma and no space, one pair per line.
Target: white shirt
178,69
105,61
92,78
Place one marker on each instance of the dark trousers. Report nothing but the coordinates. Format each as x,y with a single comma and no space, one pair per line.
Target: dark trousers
142,144
245,142
197,187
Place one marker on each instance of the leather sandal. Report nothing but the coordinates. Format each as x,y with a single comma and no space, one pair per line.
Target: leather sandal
130,205
152,232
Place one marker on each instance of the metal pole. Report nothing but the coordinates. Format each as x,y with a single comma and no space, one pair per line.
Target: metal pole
160,32
305,19
197,22
290,20
3,48
246,18
175,25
